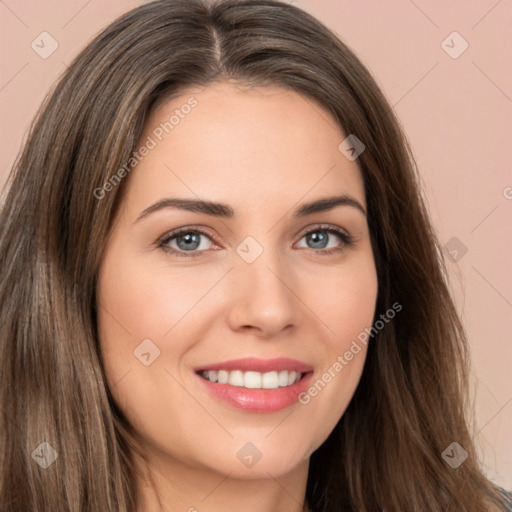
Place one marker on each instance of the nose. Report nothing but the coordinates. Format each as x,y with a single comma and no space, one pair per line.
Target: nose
262,297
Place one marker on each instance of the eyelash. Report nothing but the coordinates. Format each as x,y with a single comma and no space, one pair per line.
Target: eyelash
346,240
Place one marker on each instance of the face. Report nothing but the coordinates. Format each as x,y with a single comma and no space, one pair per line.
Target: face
238,274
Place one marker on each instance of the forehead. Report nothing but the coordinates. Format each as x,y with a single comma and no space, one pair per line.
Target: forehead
225,141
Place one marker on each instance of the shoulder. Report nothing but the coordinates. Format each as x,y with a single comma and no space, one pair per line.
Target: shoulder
507,499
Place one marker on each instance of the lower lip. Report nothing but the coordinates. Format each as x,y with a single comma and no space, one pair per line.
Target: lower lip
258,400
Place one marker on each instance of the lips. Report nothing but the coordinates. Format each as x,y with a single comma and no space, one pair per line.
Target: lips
259,365
256,385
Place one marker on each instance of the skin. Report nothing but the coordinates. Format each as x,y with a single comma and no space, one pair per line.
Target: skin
264,152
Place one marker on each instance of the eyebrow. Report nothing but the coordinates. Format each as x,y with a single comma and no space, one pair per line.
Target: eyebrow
225,211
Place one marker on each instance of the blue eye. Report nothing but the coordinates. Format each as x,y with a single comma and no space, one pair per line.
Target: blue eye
326,240
190,242
186,242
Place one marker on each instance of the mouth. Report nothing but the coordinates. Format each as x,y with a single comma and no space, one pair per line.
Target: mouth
252,379
256,385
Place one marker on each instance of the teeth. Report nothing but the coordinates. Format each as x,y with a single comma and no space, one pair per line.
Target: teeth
236,378
253,380
270,380
283,378
223,376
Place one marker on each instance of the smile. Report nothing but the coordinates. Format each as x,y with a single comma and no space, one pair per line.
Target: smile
253,380
256,385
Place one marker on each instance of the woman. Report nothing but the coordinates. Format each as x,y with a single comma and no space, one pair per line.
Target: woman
220,286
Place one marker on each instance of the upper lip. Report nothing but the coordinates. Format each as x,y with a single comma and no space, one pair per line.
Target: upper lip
259,365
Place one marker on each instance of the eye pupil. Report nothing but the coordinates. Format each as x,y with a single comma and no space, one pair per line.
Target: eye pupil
192,241
318,238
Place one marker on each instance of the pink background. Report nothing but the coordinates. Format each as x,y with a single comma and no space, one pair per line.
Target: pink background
457,113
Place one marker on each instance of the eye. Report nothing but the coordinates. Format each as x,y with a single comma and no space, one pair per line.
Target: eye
186,242
191,242
326,239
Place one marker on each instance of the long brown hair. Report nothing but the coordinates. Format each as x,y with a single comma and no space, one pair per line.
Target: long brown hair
386,451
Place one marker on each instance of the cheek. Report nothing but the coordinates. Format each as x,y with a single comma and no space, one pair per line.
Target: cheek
138,302
344,300
141,301
138,307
